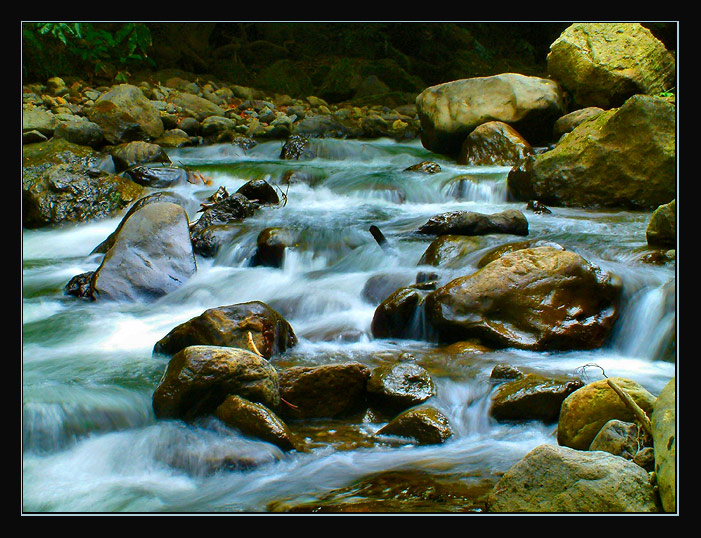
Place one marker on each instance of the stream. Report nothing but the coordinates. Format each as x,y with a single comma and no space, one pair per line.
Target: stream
90,441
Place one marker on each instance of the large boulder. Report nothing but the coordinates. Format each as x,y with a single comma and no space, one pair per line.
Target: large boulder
624,157
330,390
602,63
151,256
450,111
125,114
664,435
534,298
587,410
253,326
198,379
559,479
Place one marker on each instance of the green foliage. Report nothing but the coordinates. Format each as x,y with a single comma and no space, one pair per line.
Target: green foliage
61,48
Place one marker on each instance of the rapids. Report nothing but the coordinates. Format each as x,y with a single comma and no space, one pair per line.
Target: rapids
90,442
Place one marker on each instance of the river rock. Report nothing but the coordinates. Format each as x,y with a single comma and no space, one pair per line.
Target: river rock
426,167
662,228
602,63
585,411
199,378
231,209
331,390
256,420
664,430
623,157
559,479
400,386
493,143
534,298
138,152
498,252
260,191
510,221
398,315
449,251
198,107
157,177
296,147
424,424
234,325
151,255
125,114
449,112
63,182
271,245
79,130
161,196
618,438
568,122
531,397
38,119
378,287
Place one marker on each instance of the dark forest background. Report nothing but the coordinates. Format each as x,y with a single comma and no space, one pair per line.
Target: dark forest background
328,59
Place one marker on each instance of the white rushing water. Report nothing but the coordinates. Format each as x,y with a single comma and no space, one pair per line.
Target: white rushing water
90,441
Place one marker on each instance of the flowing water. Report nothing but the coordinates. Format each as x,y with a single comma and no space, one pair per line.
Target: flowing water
90,440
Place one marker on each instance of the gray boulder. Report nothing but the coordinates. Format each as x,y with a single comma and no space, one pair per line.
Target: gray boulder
559,479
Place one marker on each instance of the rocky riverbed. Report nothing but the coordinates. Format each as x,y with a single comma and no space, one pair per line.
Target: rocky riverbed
236,301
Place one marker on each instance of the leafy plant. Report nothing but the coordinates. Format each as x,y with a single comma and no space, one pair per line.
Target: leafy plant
53,48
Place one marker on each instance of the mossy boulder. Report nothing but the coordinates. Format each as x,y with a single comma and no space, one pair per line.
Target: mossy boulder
624,158
602,63
664,435
662,227
585,411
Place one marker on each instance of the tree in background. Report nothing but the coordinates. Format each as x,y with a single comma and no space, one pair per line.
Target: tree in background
85,49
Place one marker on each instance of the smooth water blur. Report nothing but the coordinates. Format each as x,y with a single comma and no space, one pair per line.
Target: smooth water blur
90,441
